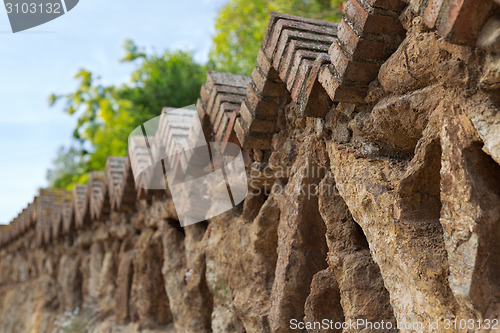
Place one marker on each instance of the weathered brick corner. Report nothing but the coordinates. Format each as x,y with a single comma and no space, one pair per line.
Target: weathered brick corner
458,21
368,34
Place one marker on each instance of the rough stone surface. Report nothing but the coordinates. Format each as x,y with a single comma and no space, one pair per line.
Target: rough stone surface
301,246
383,208
323,301
360,287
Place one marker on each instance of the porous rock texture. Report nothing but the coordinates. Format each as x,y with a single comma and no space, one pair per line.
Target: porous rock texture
374,200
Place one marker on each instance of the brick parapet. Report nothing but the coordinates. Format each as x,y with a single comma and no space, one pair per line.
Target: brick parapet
311,62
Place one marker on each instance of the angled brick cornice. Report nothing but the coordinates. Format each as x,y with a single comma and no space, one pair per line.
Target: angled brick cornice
67,216
60,209
458,21
80,205
115,168
290,46
140,158
368,34
24,222
97,194
126,193
220,100
49,209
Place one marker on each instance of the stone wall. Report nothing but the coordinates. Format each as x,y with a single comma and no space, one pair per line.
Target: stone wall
373,151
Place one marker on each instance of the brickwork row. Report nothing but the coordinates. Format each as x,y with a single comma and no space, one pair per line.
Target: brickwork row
317,63
232,108
290,46
368,34
314,63
219,104
56,213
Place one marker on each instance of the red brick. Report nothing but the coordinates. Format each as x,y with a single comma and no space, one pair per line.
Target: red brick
218,100
274,17
315,42
394,5
266,87
360,48
263,126
299,58
223,99
258,141
26,219
230,135
464,19
270,27
56,211
127,193
251,140
204,94
115,167
221,129
204,119
80,203
372,23
253,123
246,114
258,79
265,66
256,125
302,75
221,90
22,224
177,172
294,46
225,109
44,214
96,194
14,228
241,132
230,126
340,92
209,107
68,221
30,209
232,90
305,31
350,70
262,108
314,100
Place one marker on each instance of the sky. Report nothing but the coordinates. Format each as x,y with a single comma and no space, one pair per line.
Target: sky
44,60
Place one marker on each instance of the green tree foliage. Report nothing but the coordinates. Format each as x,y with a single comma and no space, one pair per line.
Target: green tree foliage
241,24
107,114
68,169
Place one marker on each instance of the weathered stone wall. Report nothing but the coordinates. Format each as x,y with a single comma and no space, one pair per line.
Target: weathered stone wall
373,154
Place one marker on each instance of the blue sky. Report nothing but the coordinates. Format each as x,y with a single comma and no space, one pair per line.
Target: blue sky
43,60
